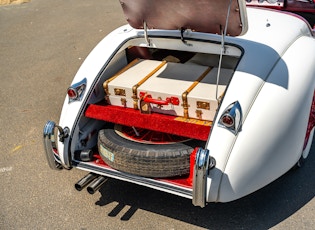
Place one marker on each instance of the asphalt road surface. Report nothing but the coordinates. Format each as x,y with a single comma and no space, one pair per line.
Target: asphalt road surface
42,44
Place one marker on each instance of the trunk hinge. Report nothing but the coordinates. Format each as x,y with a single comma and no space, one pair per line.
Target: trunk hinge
182,31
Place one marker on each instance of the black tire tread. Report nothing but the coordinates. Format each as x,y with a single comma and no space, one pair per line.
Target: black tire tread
146,160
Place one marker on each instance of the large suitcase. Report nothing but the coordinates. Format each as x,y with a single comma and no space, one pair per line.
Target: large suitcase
186,90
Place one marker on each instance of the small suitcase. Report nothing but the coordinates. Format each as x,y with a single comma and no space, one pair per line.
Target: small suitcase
121,89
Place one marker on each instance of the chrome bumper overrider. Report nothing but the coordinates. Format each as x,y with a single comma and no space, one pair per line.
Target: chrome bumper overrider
50,144
203,164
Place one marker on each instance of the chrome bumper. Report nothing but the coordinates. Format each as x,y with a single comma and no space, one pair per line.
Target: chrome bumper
50,146
203,163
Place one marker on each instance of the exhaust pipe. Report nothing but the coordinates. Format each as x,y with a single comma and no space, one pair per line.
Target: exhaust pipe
85,181
96,184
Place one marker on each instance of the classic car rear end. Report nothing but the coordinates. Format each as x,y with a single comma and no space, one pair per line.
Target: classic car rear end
207,108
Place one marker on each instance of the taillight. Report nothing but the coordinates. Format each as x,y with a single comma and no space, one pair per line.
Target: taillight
76,91
72,93
227,120
231,118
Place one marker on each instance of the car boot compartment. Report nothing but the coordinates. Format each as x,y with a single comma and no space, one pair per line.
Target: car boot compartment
151,97
169,91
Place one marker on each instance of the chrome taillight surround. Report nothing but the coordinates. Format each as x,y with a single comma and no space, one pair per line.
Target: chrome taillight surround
76,91
231,118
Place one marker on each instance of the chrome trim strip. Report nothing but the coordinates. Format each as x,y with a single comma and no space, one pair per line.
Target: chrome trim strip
152,183
50,144
200,177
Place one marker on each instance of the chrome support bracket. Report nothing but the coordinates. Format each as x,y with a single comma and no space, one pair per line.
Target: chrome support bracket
146,37
203,163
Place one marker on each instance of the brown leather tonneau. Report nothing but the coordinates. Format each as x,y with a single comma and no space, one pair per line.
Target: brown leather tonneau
198,15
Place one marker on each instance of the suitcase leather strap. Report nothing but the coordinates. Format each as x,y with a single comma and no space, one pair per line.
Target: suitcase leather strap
136,86
193,85
105,84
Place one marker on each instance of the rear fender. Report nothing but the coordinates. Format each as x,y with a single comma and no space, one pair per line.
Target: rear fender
272,136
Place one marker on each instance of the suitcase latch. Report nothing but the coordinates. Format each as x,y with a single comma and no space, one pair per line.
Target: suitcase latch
123,102
119,92
203,105
199,114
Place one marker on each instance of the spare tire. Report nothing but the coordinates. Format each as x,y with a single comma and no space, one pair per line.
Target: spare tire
130,150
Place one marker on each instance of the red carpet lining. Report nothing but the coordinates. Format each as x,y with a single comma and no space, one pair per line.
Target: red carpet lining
155,121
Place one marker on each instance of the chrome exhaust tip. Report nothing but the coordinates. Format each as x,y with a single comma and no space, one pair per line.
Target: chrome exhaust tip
96,184
85,181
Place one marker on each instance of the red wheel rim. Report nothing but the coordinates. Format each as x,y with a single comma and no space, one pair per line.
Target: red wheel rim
147,136
311,122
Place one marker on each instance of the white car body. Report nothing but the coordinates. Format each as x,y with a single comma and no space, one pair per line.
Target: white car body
273,82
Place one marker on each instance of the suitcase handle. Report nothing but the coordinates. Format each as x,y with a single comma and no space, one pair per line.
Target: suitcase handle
149,99
169,100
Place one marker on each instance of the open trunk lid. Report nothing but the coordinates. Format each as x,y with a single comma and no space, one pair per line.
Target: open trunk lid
209,16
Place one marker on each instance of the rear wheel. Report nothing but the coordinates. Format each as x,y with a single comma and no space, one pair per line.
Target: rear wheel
309,135
306,150
144,152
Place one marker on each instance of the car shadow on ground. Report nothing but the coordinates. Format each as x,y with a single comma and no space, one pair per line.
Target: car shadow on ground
260,210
